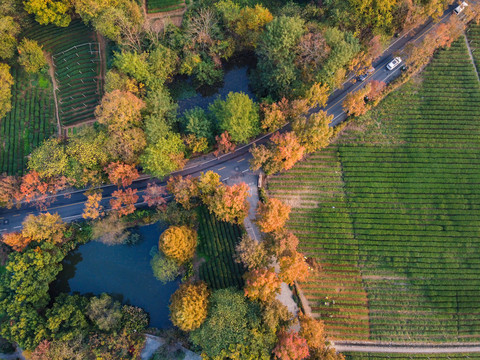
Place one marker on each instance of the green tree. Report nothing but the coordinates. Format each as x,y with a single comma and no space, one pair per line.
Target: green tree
232,329
104,312
9,29
66,319
165,156
164,269
31,56
6,82
276,69
195,121
238,115
56,12
161,106
313,133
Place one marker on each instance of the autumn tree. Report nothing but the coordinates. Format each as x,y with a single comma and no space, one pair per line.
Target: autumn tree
313,331
272,117
31,56
313,133
230,204
208,184
104,312
93,209
272,215
376,89
250,24
9,29
121,174
184,190
317,95
45,226
189,305
281,242
262,284
281,153
291,346
33,189
312,51
354,103
6,82
252,254
16,241
56,12
178,243
238,115
50,159
123,201
154,196
224,144
293,268
110,230
9,186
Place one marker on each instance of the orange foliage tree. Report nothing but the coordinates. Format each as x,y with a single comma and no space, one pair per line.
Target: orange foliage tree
44,227
123,201
376,89
93,209
178,243
354,103
31,187
272,215
262,284
9,186
291,346
183,190
16,240
189,306
281,242
154,195
121,174
224,144
230,204
293,268
272,117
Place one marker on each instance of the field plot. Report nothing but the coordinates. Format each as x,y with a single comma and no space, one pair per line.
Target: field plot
30,121
155,6
405,215
76,59
217,240
379,356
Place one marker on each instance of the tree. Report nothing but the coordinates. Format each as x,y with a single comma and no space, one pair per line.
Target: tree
312,50
65,319
93,209
238,115
178,243
275,315
121,174
273,117
282,153
61,350
9,29
233,329
261,284
376,89
31,56
195,121
272,215
184,190
9,186
313,331
49,159
119,110
104,312
317,95
230,204
208,185
46,12
16,241
281,242
224,144
44,227
134,319
276,69
251,254
6,82
354,103
250,24
164,269
291,346
293,268
123,201
315,132
110,230
188,306
154,195
165,156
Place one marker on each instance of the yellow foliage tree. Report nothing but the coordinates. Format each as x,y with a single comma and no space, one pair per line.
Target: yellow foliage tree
293,268
178,243
189,305
272,215
44,227
262,284
46,12
93,209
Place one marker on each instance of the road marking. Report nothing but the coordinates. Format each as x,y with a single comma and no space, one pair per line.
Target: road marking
225,179
245,170
241,160
17,214
221,168
17,227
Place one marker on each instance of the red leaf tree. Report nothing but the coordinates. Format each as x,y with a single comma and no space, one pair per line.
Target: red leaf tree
154,196
123,201
291,346
262,284
121,174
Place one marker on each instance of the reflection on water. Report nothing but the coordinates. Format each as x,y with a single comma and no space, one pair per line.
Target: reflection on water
122,271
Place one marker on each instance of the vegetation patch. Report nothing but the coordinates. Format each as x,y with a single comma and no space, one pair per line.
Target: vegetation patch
155,6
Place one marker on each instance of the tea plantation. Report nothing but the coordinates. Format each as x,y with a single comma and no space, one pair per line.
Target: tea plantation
390,213
155,6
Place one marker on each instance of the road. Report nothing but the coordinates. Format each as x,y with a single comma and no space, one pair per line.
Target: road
235,164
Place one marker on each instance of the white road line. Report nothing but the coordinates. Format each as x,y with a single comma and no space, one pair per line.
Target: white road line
225,179
245,170
16,227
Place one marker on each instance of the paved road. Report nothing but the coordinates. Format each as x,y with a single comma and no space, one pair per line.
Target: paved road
229,165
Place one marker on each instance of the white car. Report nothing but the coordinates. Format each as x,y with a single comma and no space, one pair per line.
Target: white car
394,63
460,7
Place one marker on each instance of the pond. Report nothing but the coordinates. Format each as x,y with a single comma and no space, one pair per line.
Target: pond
122,271
235,80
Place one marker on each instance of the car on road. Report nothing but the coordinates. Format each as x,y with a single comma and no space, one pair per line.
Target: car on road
362,77
460,7
394,63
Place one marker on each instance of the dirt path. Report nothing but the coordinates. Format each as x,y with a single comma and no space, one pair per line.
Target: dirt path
102,49
471,55
378,347
51,72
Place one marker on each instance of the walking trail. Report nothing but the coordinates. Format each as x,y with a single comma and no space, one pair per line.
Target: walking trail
471,55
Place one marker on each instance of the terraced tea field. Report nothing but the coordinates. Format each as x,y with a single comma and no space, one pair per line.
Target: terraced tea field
217,240
399,356
30,121
155,6
76,56
390,213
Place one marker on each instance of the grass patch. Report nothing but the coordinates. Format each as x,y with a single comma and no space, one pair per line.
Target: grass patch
155,6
